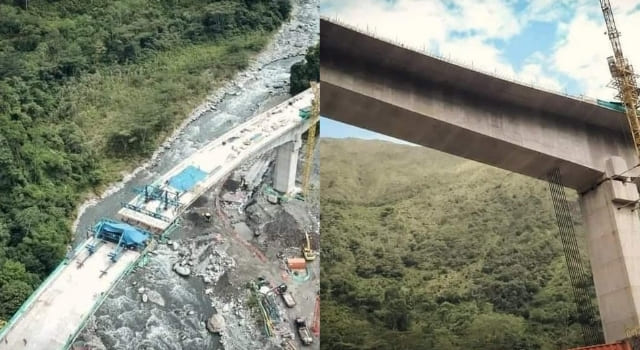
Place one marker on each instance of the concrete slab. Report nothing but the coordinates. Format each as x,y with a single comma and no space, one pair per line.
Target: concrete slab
63,305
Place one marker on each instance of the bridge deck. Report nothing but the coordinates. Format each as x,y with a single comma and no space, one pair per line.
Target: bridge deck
216,160
65,302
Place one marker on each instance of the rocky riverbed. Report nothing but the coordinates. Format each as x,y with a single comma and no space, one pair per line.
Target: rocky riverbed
168,303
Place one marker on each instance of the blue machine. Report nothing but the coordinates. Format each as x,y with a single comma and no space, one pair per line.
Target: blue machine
124,235
152,192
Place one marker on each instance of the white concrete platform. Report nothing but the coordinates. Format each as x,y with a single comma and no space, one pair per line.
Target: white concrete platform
219,157
63,305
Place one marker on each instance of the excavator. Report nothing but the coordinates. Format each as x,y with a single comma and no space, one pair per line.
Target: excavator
308,254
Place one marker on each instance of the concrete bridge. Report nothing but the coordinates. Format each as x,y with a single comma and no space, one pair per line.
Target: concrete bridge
54,314
384,87
172,193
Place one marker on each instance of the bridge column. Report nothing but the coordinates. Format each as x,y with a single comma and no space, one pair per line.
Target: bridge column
613,236
284,174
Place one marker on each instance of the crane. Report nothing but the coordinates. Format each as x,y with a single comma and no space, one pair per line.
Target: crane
311,136
624,79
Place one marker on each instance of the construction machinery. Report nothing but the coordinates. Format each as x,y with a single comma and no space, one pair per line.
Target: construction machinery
313,115
315,327
307,252
624,79
303,331
288,300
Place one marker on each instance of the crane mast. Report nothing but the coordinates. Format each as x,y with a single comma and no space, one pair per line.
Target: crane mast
624,79
311,136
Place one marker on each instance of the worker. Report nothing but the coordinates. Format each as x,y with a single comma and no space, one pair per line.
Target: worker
25,341
207,216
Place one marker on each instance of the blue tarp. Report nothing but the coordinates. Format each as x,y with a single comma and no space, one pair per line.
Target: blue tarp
187,178
131,235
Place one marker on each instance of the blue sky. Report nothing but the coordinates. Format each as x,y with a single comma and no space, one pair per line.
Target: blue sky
557,45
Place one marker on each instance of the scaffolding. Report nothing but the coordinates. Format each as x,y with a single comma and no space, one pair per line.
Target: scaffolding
153,192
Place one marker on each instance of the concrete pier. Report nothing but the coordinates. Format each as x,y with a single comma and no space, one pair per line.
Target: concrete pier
613,238
284,174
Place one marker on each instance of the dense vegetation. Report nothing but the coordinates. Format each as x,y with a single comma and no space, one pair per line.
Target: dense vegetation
305,71
86,88
425,251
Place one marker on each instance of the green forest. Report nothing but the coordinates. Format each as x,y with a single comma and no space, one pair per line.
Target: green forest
305,71
422,250
87,88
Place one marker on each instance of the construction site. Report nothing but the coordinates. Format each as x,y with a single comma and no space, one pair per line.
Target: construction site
248,244
211,244
250,248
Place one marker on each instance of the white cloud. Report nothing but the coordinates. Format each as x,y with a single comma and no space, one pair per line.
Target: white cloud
415,23
534,73
582,52
488,18
476,53
424,24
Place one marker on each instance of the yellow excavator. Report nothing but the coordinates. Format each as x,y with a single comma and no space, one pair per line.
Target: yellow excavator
308,254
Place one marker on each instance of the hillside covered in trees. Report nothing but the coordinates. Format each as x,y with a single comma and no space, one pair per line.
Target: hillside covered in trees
303,72
421,250
87,88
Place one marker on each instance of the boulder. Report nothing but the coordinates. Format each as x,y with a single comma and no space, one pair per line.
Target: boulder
155,298
216,324
182,270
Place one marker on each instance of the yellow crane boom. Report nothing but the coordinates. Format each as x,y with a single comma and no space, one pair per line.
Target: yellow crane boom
311,137
624,79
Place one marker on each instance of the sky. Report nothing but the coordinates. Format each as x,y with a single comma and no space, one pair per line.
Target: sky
558,45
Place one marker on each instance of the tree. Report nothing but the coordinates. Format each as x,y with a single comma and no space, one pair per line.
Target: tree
496,332
305,71
12,295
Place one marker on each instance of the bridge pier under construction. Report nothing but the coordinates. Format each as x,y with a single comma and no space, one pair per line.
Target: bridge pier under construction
611,217
284,173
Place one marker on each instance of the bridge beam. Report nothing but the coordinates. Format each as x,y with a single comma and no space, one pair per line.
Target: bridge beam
284,174
408,95
613,235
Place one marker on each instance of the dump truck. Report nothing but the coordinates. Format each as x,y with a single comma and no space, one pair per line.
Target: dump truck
303,331
288,299
286,296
